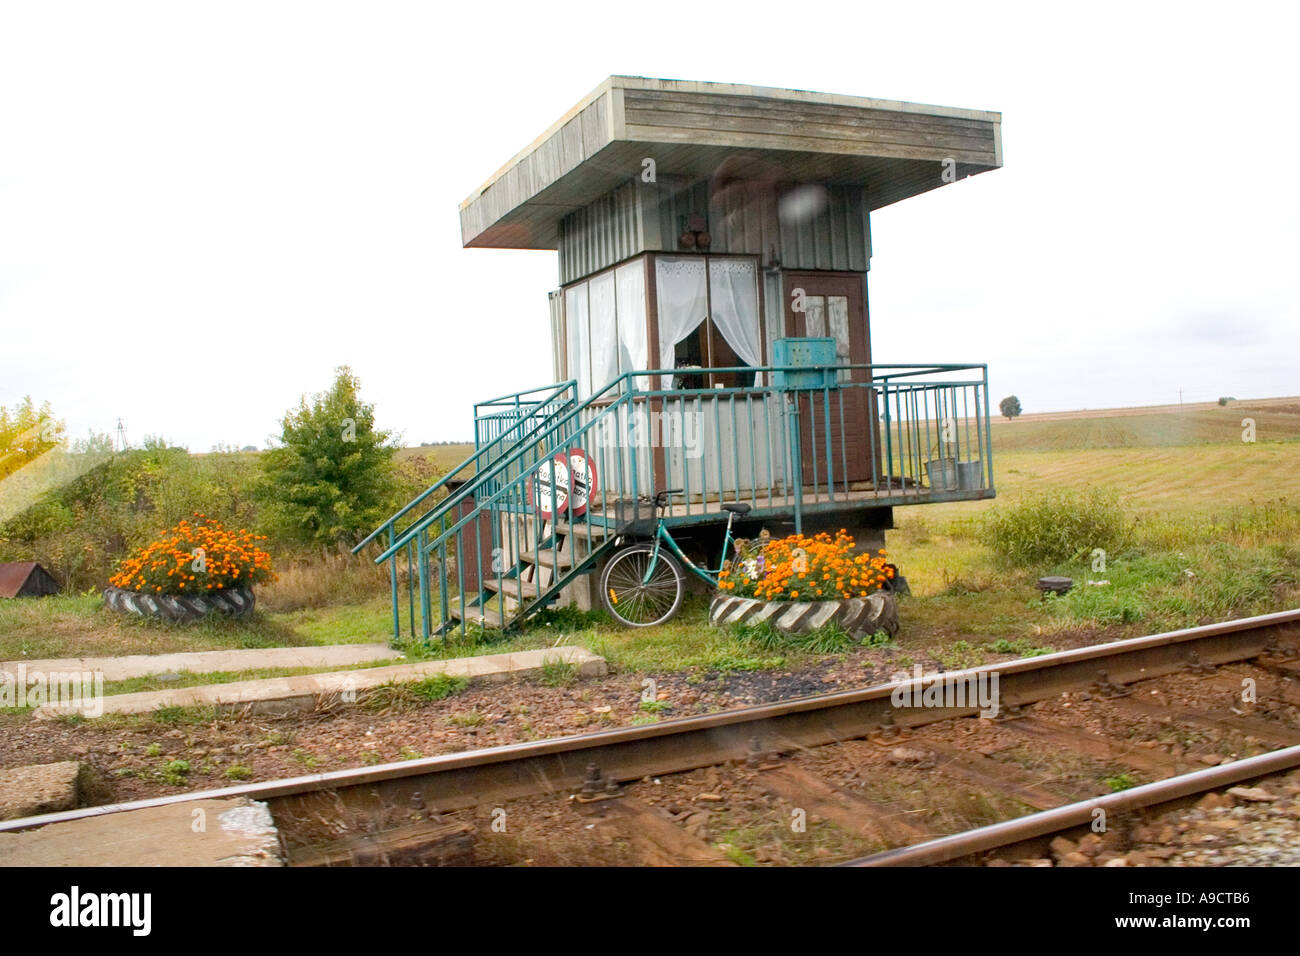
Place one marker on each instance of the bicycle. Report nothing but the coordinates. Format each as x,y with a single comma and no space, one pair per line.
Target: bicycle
643,583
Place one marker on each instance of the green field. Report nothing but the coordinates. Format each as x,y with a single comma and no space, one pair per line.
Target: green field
1216,425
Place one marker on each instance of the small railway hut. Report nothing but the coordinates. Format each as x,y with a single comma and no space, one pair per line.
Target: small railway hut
710,335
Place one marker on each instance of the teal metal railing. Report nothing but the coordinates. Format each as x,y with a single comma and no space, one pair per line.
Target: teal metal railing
530,412
844,437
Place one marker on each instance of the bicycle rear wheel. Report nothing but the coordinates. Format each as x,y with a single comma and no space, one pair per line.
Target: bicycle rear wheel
634,600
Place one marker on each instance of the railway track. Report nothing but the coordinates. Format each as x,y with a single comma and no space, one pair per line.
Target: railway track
1167,712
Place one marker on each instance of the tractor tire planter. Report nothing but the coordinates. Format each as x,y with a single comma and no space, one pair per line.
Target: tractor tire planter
860,617
232,602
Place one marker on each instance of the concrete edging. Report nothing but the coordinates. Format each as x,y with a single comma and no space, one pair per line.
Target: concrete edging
302,693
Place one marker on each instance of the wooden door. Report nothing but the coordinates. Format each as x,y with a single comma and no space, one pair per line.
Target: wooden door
834,306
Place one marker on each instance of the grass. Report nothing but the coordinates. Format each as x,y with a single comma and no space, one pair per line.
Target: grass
80,626
413,693
1208,533
1150,429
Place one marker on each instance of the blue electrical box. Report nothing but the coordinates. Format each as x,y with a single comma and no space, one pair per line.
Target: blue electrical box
810,352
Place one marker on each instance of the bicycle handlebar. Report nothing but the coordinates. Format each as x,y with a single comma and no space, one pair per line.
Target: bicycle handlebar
660,500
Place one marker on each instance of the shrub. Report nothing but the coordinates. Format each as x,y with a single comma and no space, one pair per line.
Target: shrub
26,433
116,502
1056,527
805,568
196,557
332,479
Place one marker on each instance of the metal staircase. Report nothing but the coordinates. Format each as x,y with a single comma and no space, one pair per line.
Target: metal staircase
480,554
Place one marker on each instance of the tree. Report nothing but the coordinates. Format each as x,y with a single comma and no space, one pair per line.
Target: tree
26,434
330,479
1010,406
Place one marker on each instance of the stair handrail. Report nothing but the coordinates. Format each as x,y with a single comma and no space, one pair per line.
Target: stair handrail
502,464
610,409
390,524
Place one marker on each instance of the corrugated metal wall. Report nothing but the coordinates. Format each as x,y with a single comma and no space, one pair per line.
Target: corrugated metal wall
599,235
806,226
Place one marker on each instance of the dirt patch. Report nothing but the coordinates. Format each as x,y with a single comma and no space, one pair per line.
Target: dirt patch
143,757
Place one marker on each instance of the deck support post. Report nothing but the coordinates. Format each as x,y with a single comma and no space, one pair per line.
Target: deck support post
422,555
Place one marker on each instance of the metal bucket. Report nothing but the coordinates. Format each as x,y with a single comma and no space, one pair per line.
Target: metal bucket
970,475
942,474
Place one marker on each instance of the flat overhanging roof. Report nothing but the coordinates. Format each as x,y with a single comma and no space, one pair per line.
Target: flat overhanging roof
690,129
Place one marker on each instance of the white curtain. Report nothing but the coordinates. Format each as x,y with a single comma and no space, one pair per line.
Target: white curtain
604,331
681,288
733,287
575,320
632,344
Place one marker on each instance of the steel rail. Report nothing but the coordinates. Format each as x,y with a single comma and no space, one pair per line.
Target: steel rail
454,781
1034,826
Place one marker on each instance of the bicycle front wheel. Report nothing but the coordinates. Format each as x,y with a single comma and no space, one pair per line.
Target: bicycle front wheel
634,599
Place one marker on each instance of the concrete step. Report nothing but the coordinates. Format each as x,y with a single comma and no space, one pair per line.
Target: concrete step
206,662
546,558
487,616
581,529
513,587
303,692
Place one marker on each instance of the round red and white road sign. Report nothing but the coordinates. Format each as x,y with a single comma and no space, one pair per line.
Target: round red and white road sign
582,472
548,487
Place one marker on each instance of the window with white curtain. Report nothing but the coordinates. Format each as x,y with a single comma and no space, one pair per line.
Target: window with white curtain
717,292
605,318
733,295
633,346
682,295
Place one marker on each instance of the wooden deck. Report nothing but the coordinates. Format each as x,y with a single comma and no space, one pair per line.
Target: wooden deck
767,503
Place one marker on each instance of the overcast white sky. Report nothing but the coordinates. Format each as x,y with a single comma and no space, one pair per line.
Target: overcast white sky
205,207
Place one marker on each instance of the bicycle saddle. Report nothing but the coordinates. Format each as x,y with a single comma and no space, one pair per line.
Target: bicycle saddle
737,509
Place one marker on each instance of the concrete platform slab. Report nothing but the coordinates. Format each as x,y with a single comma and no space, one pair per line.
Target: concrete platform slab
42,788
302,692
230,831
205,662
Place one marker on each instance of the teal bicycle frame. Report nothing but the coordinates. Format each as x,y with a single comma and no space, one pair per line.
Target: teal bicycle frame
664,536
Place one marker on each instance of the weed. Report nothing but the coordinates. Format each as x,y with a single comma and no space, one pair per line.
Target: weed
878,639
1021,647
174,772
960,656
1056,526
414,693
557,672
472,719
237,771
831,639
1123,781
